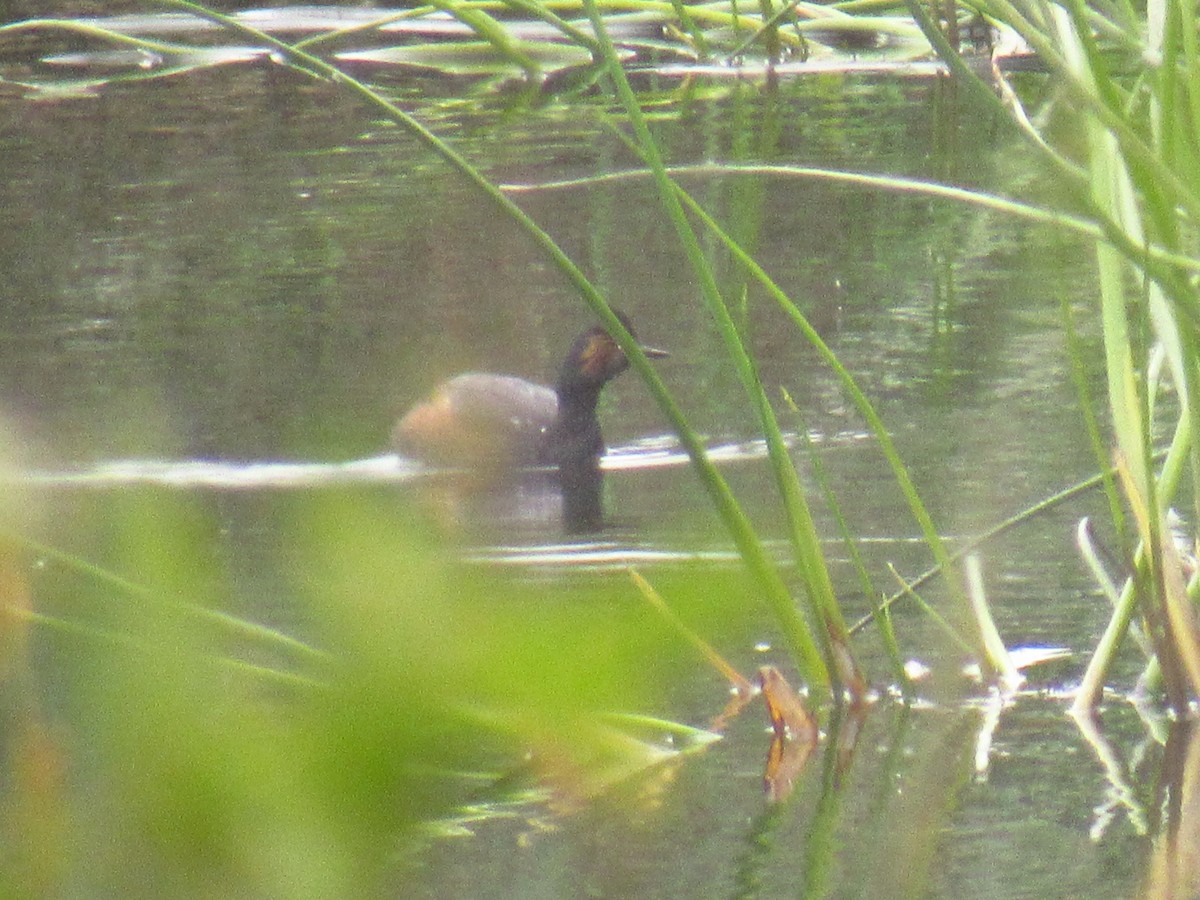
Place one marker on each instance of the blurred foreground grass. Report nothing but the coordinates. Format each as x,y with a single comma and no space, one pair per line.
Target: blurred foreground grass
152,750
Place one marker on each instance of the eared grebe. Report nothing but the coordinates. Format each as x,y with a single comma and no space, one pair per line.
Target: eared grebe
484,421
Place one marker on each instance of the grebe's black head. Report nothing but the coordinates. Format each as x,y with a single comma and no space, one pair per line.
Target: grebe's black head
595,359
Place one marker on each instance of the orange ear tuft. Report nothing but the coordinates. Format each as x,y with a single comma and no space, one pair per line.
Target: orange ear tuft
597,356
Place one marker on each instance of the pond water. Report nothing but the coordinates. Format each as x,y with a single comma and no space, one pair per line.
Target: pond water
231,281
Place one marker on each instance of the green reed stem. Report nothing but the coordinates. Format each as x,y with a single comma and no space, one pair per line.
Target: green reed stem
1092,422
864,406
233,624
569,30
91,633
93,31
802,530
493,32
1157,254
866,584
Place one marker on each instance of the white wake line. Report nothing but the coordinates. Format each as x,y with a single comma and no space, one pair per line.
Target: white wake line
232,475
654,453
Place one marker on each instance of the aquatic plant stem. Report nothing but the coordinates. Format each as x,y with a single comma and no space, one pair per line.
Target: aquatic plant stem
736,679
997,654
1084,227
1156,178
1138,183
803,531
1092,422
882,618
995,531
493,32
104,34
233,624
128,642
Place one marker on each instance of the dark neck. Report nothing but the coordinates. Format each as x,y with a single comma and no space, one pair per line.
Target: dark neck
577,400
575,435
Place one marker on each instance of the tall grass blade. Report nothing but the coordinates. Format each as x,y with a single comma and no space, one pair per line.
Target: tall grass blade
820,587
997,654
488,28
866,583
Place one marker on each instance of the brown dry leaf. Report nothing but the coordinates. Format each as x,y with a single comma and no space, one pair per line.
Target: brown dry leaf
738,700
848,732
1173,623
789,716
786,759
794,734
848,672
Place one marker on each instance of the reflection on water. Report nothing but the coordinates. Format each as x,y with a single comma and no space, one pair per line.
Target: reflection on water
1174,869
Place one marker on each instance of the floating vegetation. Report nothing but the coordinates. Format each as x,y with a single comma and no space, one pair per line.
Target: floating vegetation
479,40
